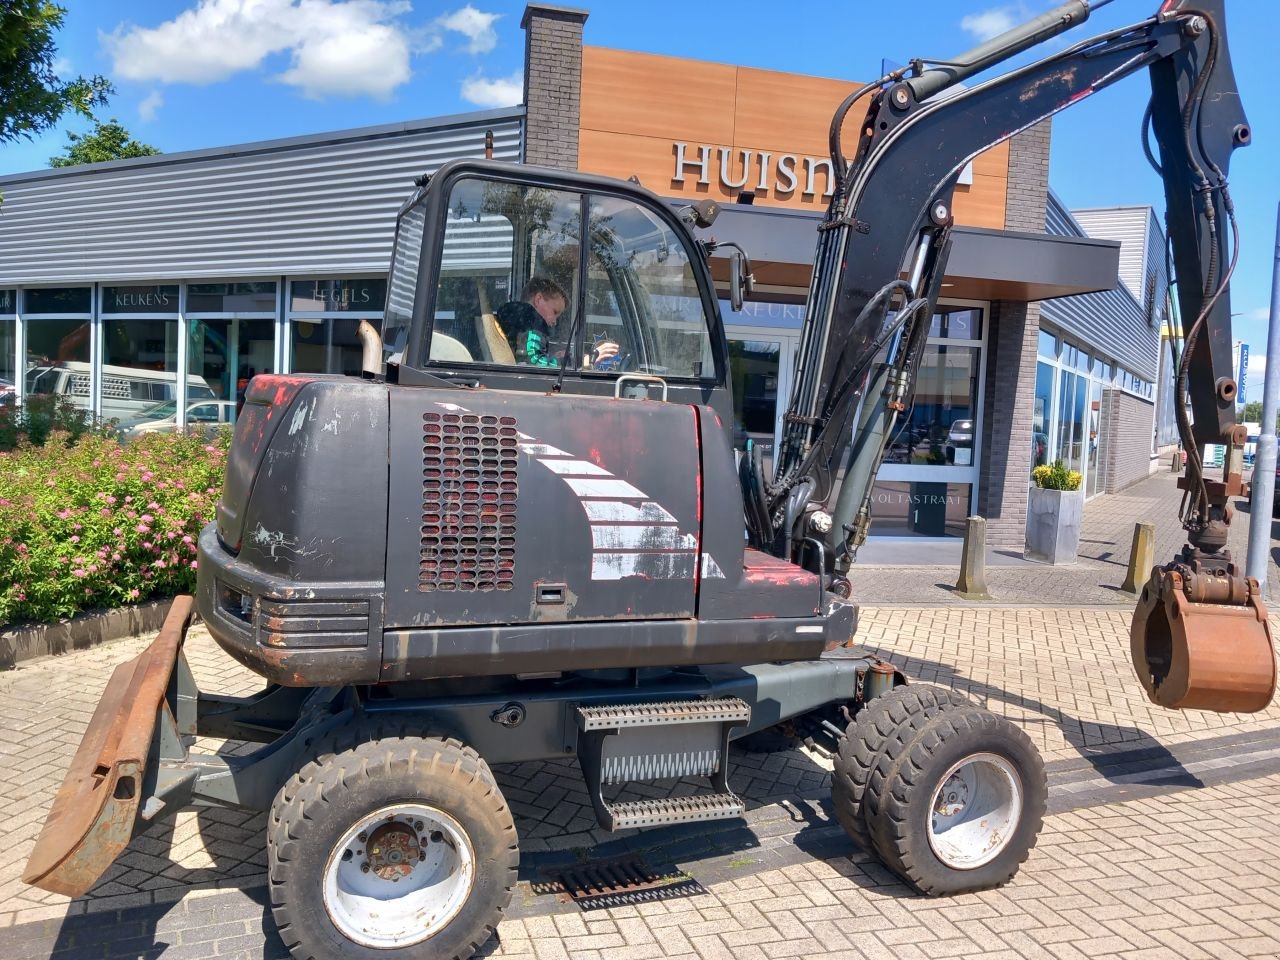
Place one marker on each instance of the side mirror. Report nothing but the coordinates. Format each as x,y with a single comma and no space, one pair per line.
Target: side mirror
741,283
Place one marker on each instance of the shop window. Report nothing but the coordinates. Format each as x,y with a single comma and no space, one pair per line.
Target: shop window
1048,345
956,323
1040,415
257,296
753,371
941,427
158,298
55,300
58,330
8,346
140,371
324,321
226,354
919,508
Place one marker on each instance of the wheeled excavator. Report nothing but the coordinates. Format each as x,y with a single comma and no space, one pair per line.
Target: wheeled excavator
454,561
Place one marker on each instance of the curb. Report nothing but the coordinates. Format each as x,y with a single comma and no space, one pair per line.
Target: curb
28,642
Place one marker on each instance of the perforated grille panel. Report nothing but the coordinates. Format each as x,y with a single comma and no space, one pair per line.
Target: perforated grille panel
469,495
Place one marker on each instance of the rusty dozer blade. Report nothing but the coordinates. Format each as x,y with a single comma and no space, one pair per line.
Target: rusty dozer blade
95,812
1203,643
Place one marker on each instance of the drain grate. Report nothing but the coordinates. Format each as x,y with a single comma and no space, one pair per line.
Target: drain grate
617,883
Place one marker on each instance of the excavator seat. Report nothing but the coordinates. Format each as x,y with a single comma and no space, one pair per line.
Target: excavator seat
494,340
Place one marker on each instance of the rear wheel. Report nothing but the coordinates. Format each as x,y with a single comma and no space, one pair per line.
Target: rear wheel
393,847
864,741
961,806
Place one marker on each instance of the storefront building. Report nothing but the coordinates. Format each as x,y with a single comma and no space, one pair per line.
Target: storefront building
155,288
171,280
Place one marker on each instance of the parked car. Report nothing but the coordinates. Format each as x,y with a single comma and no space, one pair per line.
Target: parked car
7,392
203,416
960,437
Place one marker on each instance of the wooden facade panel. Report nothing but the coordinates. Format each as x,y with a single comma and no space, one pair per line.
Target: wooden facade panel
788,113
638,107
650,95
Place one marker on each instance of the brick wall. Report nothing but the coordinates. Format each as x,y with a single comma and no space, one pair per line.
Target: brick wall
1126,454
552,84
1028,190
1012,341
1006,424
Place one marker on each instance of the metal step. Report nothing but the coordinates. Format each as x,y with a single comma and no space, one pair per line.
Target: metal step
656,813
616,716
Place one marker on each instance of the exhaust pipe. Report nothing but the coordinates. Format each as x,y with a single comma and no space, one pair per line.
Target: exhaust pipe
370,350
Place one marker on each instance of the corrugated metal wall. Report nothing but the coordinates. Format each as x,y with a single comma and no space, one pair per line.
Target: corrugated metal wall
1112,321
1128,225
323,204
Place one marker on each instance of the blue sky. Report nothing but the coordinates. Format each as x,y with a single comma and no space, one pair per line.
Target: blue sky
203,73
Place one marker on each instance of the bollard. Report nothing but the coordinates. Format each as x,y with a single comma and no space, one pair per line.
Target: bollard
1142,557
972,584
1176,465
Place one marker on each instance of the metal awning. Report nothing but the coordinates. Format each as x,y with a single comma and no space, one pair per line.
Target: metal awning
984,264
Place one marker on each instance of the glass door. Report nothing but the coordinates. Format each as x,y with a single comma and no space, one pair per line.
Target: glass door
926,484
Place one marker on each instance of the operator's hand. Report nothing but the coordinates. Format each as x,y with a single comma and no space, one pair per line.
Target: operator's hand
603,352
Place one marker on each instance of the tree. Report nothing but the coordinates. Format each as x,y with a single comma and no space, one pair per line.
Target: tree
107,141
32,96
1252,412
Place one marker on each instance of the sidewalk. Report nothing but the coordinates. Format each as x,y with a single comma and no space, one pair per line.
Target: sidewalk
1163,837
1105,542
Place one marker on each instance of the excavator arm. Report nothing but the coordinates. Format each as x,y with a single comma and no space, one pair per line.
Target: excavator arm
1200,634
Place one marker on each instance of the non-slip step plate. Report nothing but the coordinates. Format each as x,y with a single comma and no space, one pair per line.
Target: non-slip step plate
668,810
613,716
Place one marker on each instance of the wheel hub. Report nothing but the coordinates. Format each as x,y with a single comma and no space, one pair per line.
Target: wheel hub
394,849
399,876
952,798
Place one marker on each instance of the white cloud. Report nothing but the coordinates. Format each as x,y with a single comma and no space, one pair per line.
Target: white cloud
62,67
1260,314
500,92
991,23
148,107
477,27
336,47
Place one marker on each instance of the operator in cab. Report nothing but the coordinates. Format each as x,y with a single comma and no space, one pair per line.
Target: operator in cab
530,322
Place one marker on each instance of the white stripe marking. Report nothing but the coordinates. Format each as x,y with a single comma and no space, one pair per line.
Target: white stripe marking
603,488
581,468
809,629
641,538
542,450
655,566
613,511
710,569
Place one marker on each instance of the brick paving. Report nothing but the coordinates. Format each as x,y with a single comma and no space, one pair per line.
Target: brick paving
1162,839
1105,542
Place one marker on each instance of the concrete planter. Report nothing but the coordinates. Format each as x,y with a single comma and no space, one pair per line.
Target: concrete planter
1053,525
28,641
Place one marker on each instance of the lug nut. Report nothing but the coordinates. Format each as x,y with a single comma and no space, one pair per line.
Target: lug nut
362,836
364,867
417,825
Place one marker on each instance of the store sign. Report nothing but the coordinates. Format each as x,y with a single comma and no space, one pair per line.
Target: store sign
740,169
737,168
1243,376
365,295
8,301
148,299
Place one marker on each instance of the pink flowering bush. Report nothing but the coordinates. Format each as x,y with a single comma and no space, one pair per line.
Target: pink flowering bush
101,524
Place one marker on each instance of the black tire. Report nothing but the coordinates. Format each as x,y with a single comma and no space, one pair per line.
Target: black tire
864,740
900,801
313,816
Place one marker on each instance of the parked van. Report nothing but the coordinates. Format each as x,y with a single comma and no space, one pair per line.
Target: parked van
127,392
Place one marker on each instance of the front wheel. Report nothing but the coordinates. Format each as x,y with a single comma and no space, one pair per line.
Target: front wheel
962,806
391,848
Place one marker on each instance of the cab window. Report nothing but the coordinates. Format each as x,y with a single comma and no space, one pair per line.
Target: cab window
511,291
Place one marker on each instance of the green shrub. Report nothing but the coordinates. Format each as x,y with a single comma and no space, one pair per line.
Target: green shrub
1056,477
101,524
42,415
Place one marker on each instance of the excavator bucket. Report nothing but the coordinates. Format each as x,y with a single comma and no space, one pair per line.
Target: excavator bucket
95,812
1202,656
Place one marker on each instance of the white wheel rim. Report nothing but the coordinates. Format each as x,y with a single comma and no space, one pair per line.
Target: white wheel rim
399,876
974,811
